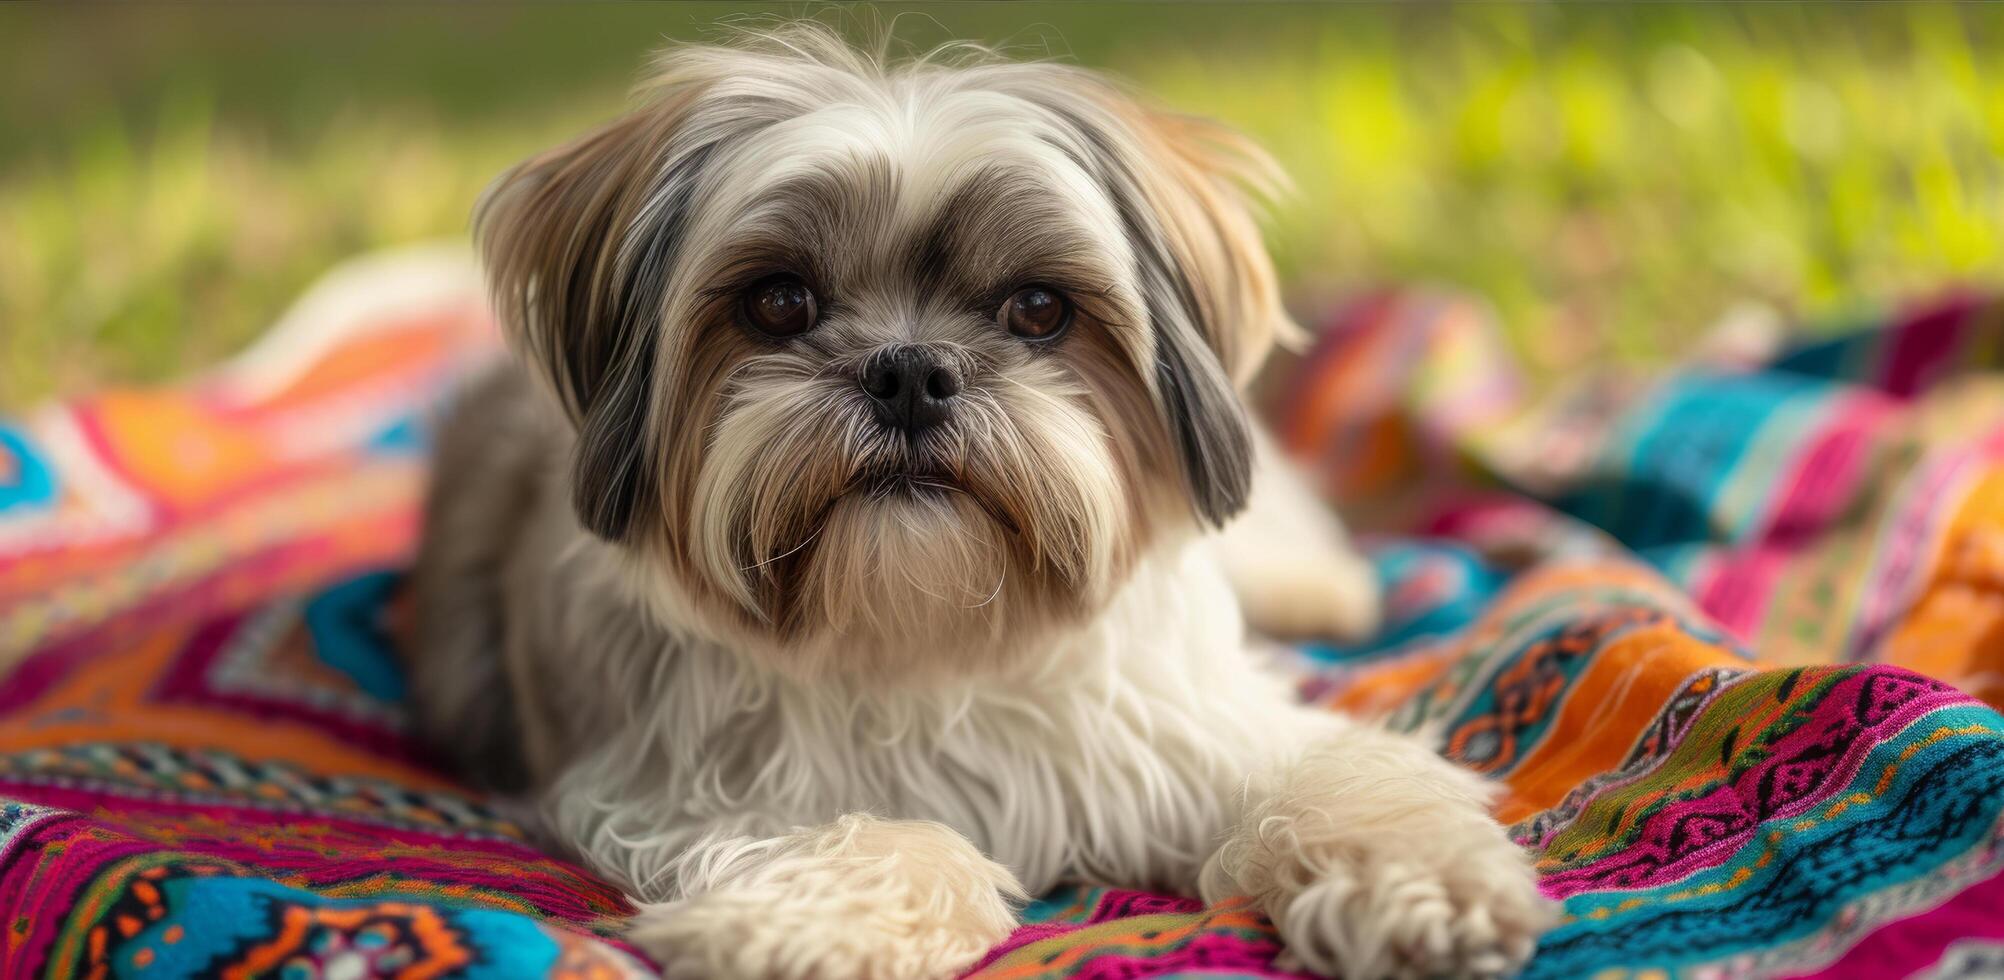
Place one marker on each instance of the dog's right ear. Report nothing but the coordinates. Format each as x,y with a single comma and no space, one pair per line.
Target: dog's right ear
1187,192
578,244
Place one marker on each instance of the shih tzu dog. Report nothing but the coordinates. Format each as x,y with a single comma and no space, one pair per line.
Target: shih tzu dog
855,550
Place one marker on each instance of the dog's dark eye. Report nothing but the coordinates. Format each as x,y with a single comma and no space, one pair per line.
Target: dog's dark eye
781,307
1036,313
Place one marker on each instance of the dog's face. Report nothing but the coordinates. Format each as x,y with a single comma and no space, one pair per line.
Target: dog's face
878,368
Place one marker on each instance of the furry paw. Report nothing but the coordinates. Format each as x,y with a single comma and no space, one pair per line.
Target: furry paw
861,897
1478,915
1332,595
1375,858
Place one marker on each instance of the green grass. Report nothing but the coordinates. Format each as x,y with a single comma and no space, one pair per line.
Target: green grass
1612,179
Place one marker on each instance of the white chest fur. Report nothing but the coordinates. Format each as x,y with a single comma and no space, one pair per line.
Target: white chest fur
1113,757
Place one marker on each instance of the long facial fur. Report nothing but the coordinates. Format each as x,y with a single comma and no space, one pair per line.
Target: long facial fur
757,501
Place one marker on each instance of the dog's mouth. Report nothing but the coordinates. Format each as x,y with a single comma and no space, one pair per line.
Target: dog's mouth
909,482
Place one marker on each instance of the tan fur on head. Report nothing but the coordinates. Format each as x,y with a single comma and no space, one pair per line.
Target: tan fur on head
757,496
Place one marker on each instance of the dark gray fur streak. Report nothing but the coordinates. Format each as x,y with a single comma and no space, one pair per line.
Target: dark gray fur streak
1202,408
605,350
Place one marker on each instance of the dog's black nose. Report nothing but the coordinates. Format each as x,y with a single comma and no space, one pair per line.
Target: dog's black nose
911,388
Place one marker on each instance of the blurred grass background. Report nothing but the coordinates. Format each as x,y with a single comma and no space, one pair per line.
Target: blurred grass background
1613,179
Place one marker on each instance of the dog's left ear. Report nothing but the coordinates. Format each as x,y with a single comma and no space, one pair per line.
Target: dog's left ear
1187,190
578,245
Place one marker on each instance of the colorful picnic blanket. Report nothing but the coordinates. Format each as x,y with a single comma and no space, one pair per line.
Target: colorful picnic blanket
1712,630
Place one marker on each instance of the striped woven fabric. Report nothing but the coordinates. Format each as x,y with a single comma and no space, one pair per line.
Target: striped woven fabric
1711,630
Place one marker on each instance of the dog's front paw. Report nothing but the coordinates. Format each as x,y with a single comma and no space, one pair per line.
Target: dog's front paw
861,897
1417,908
1375,858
